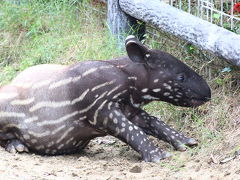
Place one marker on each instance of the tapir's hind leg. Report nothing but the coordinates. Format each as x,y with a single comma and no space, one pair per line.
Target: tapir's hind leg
155,127
12,145
15,145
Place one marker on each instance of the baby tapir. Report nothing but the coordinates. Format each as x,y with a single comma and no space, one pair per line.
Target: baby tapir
56,109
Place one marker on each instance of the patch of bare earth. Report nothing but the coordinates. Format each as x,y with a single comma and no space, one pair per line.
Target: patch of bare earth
108,158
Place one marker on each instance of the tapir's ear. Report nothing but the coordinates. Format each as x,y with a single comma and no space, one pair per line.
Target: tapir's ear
135,49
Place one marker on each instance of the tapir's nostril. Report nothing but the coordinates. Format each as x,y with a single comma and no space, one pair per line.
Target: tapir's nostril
208,98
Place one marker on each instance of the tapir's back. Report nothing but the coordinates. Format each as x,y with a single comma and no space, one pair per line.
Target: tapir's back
38,73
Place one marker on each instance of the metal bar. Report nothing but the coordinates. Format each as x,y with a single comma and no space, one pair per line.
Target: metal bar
221,14
207,2
231,14
189,6
211,11
198,7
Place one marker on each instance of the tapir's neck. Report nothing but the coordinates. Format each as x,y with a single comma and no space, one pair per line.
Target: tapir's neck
138,79
136,72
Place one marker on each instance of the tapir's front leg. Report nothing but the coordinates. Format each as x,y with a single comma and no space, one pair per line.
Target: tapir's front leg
157,128
114,122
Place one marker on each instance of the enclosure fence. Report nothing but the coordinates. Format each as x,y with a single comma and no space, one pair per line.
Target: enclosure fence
201,33
225,13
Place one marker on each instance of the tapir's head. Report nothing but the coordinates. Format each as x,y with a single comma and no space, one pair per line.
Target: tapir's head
169,79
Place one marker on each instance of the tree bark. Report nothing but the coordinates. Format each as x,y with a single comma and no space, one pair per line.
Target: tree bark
121,24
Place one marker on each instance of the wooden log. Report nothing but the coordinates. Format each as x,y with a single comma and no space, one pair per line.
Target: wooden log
203,34
121,25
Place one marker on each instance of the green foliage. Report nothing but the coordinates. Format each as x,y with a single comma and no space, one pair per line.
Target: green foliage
50,31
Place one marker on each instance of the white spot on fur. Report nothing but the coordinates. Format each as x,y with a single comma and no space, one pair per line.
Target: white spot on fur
156,90
115,121
132,78
156,80
166,94
26,136
144,90
149,97
117,113
147,55
105,121
167,86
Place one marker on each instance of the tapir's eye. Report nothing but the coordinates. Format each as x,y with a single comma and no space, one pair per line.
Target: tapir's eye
180,77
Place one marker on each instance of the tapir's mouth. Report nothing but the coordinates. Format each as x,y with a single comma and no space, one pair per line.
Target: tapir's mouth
198,102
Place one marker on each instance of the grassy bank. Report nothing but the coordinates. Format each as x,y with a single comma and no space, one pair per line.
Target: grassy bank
50,32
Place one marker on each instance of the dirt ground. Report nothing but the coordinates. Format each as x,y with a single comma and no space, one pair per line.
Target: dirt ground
109,159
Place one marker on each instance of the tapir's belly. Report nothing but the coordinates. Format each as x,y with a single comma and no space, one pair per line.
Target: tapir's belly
55,137
51,110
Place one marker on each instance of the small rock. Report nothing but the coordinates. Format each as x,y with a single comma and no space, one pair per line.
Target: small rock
198,168
213,159
106,141
237,172
237,153
227,173
74,174
136,169
197,160
227,159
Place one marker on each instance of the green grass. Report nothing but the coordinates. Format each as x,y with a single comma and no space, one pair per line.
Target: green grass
50,32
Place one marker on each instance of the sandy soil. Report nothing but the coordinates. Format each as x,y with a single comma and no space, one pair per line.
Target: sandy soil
109,159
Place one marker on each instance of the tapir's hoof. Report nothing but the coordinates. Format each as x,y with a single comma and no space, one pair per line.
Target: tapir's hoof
182,146
15,146
156,158
191,142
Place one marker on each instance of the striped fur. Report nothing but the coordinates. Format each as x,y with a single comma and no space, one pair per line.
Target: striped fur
56,109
